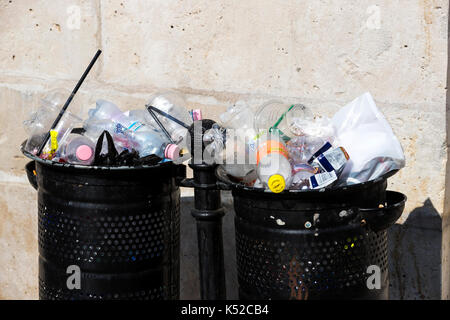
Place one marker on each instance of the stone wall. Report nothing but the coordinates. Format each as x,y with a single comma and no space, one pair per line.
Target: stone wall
322,53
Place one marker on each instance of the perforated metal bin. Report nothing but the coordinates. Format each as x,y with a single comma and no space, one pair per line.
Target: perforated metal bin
313,244
120,226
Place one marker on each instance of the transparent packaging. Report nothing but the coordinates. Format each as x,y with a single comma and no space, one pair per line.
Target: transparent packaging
276,115
77,149
369,140
174,105
66,124
273,167
147,143
302,148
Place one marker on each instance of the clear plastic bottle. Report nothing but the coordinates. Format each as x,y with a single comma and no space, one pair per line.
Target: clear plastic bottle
107,116
40,122
319,127
148,143
301,174
213,139
64,127
104,110
238,116
101,118
77,149
273,167
278,116
300,180
144,117
94,128
46,114
172,104
302,148
239,157
240,146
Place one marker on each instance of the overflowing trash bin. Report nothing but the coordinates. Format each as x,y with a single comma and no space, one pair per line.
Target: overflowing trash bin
313,245
310,199
108,196
108,202
107,233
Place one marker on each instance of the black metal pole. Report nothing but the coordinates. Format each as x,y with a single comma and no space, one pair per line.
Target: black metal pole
208,213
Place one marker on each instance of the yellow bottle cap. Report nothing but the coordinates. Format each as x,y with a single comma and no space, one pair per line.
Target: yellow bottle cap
276,183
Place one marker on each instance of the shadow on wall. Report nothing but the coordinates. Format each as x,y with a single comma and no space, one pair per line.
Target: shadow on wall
446,213
415,255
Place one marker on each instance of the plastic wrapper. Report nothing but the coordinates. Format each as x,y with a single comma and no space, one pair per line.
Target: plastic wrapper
368,138
112,158
317,127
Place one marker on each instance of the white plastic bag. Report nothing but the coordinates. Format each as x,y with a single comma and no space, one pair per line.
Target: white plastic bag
368,138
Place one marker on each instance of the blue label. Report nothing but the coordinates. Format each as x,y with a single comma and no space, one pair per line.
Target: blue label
325,163
120,128
314,183
135,126
324,148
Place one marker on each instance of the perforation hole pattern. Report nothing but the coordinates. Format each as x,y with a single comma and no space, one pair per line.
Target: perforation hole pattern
105,239
48,293
147,237
303,266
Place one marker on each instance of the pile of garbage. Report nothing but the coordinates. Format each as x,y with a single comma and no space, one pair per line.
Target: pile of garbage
279,147
287,147
109,136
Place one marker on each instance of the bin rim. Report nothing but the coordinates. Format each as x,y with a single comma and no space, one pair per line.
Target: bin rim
224,178
91,168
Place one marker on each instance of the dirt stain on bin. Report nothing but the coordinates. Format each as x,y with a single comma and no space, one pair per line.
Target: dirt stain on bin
298,289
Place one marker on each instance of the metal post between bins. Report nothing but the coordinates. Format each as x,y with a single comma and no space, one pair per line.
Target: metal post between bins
208,214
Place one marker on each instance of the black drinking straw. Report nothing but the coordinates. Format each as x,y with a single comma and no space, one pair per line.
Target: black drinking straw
69,100
168,116
150,110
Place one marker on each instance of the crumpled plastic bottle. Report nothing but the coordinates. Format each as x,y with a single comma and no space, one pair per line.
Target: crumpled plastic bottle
43,118
278,116
319,127
39,123
303,147
238,151
174,105
147,143
238,116
214,140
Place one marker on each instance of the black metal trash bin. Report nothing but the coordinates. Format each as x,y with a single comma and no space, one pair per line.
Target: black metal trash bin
120,226
312,244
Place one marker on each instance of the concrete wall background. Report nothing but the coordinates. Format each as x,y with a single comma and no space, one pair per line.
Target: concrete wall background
321,53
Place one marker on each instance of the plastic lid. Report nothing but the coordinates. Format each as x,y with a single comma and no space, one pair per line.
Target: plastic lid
276,183
172,151
84,152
